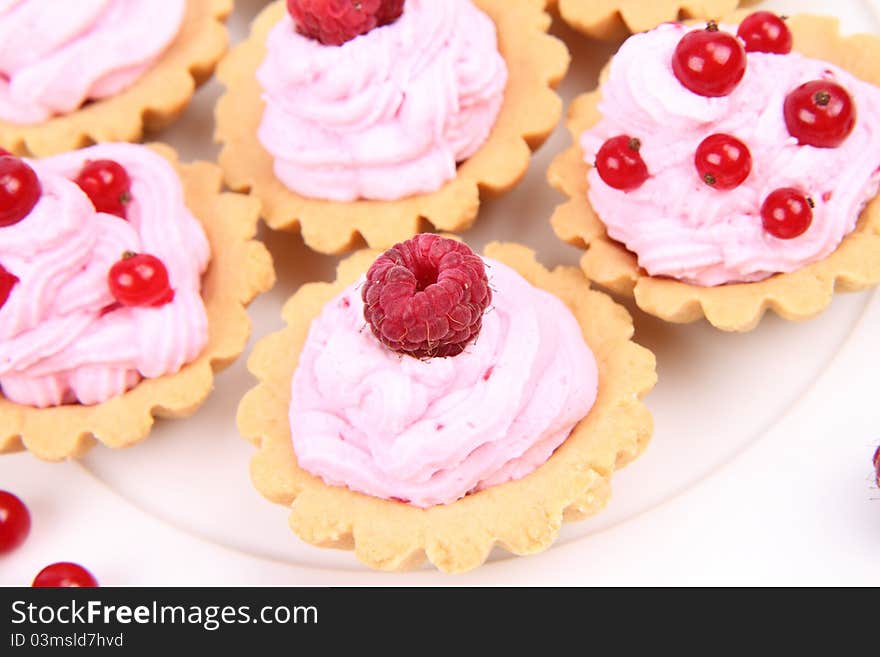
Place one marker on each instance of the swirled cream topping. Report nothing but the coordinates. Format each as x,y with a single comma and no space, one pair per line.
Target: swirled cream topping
63,339
428,432
55,55
682,228
388,114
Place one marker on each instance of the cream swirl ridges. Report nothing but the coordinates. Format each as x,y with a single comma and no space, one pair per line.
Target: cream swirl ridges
430,431
682,228
55,54
388,114
57,342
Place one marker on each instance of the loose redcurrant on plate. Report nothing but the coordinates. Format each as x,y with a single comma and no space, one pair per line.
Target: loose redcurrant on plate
877,466
107,185
64,574
764,31
820,113
7,282
140,279
620,164
709,62
787,213
20,190
723,161
15,522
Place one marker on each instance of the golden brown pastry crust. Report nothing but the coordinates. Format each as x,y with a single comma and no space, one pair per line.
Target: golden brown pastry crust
799,295
521,516
611,20
153,102
531,111
240,269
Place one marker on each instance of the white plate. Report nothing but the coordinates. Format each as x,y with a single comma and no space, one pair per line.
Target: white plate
759,470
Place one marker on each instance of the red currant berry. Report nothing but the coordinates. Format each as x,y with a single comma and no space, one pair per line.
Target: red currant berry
140,279
723,161
15,522
20,190
107,184
877,466
65,574
709,62
787,213
4,152
620,164
820,113
764,31
7,282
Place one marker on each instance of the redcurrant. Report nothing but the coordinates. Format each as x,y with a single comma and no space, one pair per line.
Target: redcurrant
787,213
709,62
20,190
66,575
723,161
7,282
140,279
620,164
15,522
764,31
107,184
820,113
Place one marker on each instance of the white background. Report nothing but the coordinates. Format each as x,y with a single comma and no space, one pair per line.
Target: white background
759,471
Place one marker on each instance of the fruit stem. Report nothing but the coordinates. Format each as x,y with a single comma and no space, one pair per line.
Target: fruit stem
822,98
128,254
712,26
635,144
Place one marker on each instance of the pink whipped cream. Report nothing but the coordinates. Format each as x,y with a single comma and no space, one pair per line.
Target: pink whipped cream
58,342
682,228
429,432
388,114
57,54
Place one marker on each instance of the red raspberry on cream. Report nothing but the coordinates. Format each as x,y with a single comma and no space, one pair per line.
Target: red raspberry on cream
426,297
334,22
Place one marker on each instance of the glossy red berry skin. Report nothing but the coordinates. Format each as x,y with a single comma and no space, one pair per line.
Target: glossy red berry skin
107,184
620,164
764,31
15,522
20,190
787,213
8,281
709,62
723,161
140,280
877,466
820,113
64,575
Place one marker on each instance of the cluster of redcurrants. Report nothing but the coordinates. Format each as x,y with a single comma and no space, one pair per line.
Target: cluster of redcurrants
137,279
15,525
711,63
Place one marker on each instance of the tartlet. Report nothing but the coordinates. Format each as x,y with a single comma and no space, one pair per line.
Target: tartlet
151,103
536,63
523,516
240,268
611,20
797,295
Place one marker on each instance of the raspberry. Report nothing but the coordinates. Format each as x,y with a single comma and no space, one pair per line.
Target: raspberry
390,11
426,297
333,22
